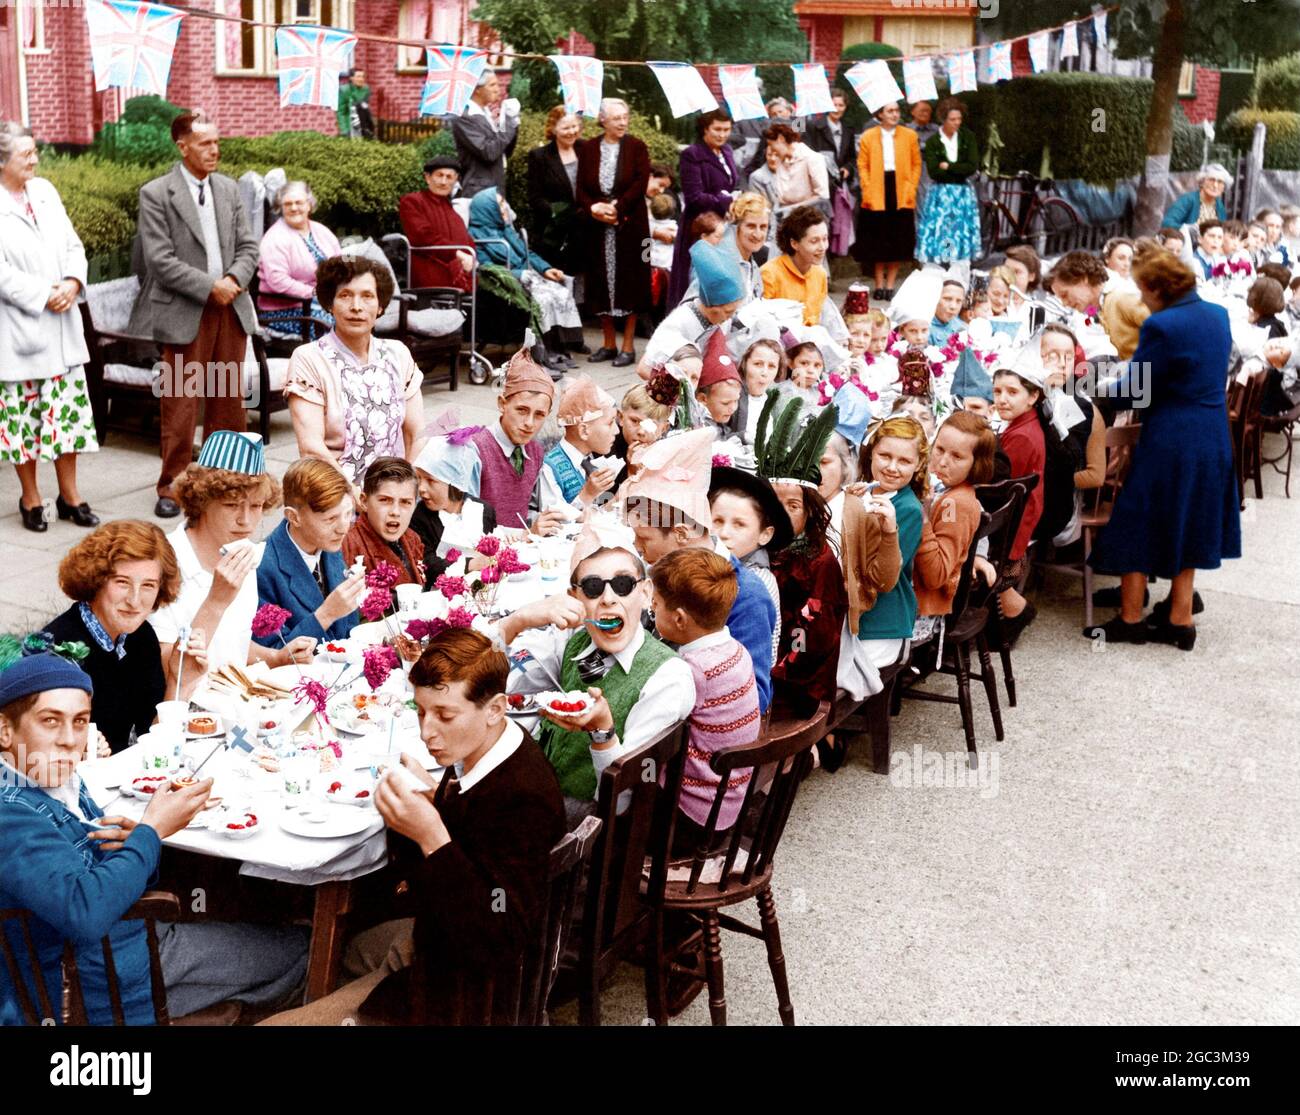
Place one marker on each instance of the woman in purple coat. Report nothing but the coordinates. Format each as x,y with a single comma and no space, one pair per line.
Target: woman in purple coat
710,183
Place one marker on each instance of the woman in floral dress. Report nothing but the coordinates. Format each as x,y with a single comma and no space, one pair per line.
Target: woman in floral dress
950,226
354,397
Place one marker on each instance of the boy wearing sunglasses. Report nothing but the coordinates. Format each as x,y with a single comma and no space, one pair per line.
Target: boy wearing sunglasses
590,639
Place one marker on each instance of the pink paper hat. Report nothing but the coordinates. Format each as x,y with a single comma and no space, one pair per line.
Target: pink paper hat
523,373
602,532
675,472
583,400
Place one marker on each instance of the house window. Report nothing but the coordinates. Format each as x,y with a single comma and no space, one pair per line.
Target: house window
247,50
1187,80
31,25
435,21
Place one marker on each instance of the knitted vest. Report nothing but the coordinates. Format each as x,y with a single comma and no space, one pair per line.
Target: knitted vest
569,478
570,752
726,715
499,486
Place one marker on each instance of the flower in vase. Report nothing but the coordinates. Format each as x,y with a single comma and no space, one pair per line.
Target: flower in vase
450,586
377,664
269,619
384,575
418,629
489,545
460,617
508,561
376,603
490,575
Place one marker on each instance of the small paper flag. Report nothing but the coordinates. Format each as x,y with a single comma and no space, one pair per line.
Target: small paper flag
874,83
1099,26
1000,62
309,61
1070,41
454,72
961,72
918,76
131,44
1038,45
811,93
582,80
740,89
684,88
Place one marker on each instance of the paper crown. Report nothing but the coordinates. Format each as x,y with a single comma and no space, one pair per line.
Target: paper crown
601,532
719,274
784,452
234,452
583,400
675,472
917,298
719,364
858,300
523,373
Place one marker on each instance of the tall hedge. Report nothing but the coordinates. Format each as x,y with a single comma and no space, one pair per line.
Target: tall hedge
1277,84
1281,141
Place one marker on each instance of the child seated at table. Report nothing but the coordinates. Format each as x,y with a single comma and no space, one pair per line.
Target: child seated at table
641,422
591,639
947,313
694,591
587,416
762,365
719,388
474,852
1209,251
806,367
382,532
77,873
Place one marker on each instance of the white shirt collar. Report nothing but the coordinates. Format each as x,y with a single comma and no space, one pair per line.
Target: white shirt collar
506,745
625,656
473,108
186,559
190,179
311,560
572,452
713,638
69,795
499,435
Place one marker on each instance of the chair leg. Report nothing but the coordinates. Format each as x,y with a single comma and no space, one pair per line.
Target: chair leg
1008,671
1087,578
961,652
990,684
775,957
1257,451
713,968
876,710
656,972
455,369
589,994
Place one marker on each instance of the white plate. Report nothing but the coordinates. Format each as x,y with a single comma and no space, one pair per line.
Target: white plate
131,791
352,785
338,822
219,730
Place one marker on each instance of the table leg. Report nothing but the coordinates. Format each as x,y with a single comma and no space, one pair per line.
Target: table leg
333,902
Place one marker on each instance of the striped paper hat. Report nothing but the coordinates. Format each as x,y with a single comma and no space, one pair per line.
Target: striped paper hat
234,451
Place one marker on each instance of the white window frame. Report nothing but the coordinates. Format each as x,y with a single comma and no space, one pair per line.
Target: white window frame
270,11
35,11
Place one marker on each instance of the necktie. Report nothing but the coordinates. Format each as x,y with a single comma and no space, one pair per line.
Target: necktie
517,460
319,573
201,185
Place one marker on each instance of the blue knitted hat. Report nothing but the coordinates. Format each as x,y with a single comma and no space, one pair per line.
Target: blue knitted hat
855,413
719,274
38,673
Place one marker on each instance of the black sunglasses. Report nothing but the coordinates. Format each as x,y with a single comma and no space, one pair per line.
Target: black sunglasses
593,588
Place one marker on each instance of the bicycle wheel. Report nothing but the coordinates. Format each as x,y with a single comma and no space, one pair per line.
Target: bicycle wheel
997,226
1051,226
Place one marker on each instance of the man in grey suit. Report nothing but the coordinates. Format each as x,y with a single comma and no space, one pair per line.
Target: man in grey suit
482,142
196,255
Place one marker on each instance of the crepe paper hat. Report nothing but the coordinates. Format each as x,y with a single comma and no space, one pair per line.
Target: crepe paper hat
523,373
1027,361
914,372
789,340
675,472
972,380
785,456
858,300
583,400
719,274
917,298
719,364
761,492
855,413
453,460
602,532
39,673
234,452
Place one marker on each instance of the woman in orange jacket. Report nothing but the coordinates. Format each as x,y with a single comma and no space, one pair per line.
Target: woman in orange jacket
889,169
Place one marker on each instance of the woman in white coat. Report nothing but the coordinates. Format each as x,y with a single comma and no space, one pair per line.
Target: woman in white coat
44,400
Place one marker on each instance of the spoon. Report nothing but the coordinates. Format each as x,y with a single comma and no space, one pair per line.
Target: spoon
605,624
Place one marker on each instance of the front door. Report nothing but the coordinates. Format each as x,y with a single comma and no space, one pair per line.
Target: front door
10,101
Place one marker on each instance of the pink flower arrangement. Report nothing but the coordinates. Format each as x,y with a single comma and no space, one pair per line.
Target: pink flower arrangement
378,600
508,561
450,586
384,575
453,554
460,617
418,629
377,664
270,620
1243,265
1218,271
489,545
720,460
314,692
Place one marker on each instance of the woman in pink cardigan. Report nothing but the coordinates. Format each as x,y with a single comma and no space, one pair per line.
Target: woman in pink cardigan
291,250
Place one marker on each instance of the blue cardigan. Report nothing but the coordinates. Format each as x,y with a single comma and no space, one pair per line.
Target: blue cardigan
751,623
284,579
75,892
1186,210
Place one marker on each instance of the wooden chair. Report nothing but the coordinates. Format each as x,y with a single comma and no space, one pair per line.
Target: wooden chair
872,717
153,907
1283,424
993,496
739,864
630,803
1244,422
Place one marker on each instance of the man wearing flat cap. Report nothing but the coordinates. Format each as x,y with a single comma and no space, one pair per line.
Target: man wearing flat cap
430,221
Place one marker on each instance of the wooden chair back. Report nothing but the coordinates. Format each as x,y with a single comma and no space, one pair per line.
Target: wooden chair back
1120,442
992,497
24,968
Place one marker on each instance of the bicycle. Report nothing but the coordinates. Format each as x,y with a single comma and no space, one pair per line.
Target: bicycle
1044,219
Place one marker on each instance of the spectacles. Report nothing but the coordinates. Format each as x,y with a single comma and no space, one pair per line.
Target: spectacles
593,588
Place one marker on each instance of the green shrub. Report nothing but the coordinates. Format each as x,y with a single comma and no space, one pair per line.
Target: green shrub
149,109
1281,142
1277,84
442,142
103,225
1189,143
141,135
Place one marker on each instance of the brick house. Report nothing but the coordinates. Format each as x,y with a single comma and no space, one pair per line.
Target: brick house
228,70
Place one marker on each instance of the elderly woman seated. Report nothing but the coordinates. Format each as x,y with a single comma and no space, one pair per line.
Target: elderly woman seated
117,577
492,225
223,496
292,249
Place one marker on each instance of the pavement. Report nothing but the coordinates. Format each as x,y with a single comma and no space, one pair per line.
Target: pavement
1129,855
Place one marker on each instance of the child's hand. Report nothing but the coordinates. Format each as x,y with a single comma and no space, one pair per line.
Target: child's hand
984,569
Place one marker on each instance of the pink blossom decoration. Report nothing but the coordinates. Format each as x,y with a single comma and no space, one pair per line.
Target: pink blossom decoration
377,664
376,603
490,575
269,620
453,554
450,586
384,575
461,436
460,617
720,460
418,629
489,545
309,690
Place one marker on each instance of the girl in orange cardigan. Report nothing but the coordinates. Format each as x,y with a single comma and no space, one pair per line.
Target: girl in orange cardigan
962,457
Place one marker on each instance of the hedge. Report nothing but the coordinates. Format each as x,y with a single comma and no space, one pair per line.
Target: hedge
1281,142
1189,143
1277,84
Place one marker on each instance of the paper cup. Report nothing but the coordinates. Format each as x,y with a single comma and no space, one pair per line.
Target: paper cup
407,596
173,713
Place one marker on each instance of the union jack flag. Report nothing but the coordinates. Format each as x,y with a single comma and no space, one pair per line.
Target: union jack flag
454,72
131,43
582,80
811,93
740,89
309,61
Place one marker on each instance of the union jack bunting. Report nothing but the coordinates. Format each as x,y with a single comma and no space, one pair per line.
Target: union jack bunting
740,88
1000,62
131,44
453,75
309,61
582,80
961,71
811,93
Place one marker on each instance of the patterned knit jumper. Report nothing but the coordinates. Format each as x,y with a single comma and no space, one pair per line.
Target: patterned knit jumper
725,715
499,485
569,478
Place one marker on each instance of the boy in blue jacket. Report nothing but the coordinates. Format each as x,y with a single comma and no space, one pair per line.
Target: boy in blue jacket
78,873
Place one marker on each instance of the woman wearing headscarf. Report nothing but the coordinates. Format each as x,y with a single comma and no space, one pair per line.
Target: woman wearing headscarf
450,514
710,183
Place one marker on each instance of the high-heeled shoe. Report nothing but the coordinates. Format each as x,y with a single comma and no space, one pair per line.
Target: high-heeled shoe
82,515
33,517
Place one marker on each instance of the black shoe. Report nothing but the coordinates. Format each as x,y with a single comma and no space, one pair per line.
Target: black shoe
1109,597
1183,636
624,359
601,355
1013,626
1160,613
565,359
1117,631
33,517
831,756
166,508
580,348
82,515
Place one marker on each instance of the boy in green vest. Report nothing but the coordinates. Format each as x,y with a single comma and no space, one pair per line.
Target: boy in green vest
591,639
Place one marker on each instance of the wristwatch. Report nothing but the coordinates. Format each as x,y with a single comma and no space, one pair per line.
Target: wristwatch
602,736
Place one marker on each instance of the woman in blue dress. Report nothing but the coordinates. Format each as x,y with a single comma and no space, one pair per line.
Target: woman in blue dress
950,225
1178,510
